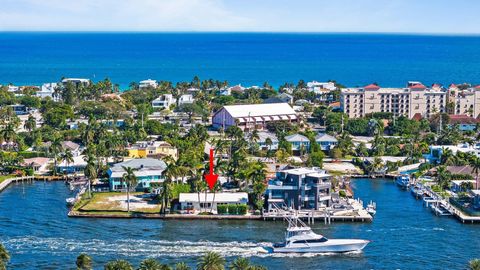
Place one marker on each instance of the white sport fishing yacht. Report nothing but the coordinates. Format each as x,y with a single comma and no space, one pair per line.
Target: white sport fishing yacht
301,239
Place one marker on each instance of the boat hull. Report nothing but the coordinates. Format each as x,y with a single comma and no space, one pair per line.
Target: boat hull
331,246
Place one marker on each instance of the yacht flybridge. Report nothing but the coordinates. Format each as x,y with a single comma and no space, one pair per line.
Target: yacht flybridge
301,239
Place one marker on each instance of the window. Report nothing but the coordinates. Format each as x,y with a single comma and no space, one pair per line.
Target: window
309,241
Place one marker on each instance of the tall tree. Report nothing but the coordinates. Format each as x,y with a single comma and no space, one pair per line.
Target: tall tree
475,163
130,180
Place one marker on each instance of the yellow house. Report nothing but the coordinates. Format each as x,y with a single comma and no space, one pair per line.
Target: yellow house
152,149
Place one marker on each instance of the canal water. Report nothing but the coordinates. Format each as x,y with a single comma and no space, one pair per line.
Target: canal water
35,229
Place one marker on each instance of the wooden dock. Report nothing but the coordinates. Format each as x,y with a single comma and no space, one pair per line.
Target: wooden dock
436,199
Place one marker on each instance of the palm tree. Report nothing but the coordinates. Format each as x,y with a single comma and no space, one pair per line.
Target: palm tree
475,163
211,261
67,156
474,264
84,262
130,180
56,148
182,266
240,264
90,171
118,265
443,177
152,264
216,188
30,123
4,257
8,134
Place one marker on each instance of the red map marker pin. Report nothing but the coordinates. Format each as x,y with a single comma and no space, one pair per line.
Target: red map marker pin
211,178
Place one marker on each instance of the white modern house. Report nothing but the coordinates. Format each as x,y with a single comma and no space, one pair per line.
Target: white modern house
320,87
185,99
163,101
192,202
147,83
47,90
253,116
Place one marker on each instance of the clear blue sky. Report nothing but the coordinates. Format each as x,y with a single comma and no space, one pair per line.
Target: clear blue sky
415,16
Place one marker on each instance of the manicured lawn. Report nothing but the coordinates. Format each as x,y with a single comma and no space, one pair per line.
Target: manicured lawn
5,177
115,203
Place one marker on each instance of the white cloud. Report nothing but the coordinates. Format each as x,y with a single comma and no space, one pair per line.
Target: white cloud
242,15
146,15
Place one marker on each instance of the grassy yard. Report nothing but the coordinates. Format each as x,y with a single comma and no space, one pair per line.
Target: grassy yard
115,203
5,177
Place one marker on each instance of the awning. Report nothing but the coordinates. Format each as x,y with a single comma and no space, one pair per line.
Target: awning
241,120
284,117
267,118
292,117
275,118
258,119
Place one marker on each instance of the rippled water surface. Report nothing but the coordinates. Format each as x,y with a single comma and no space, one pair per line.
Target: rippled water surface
39,235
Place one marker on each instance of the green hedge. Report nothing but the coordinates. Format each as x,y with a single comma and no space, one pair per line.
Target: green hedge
241,209
222,209
232,209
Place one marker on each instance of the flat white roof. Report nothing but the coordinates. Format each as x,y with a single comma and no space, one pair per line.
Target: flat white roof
220,197
253,110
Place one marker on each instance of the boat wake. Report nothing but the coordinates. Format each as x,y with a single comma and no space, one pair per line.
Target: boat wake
144,248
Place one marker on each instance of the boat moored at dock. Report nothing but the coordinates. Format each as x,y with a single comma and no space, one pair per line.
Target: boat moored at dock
403,181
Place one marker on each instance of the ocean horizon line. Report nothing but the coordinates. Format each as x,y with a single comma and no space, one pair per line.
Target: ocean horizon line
440,34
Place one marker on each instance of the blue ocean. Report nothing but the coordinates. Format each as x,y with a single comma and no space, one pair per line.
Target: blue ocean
246,58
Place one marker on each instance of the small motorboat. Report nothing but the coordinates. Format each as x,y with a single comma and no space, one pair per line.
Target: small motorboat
70,201
417,190
371,208
403,181
301,239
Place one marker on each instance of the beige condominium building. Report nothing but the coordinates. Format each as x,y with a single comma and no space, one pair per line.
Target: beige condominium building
466,100
414,100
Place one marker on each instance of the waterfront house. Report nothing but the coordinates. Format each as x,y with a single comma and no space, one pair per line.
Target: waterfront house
39,165
163,102
193,202
326,141
76,167
152,149
149,83
253,116
147,171
464,122
300,188
298,142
